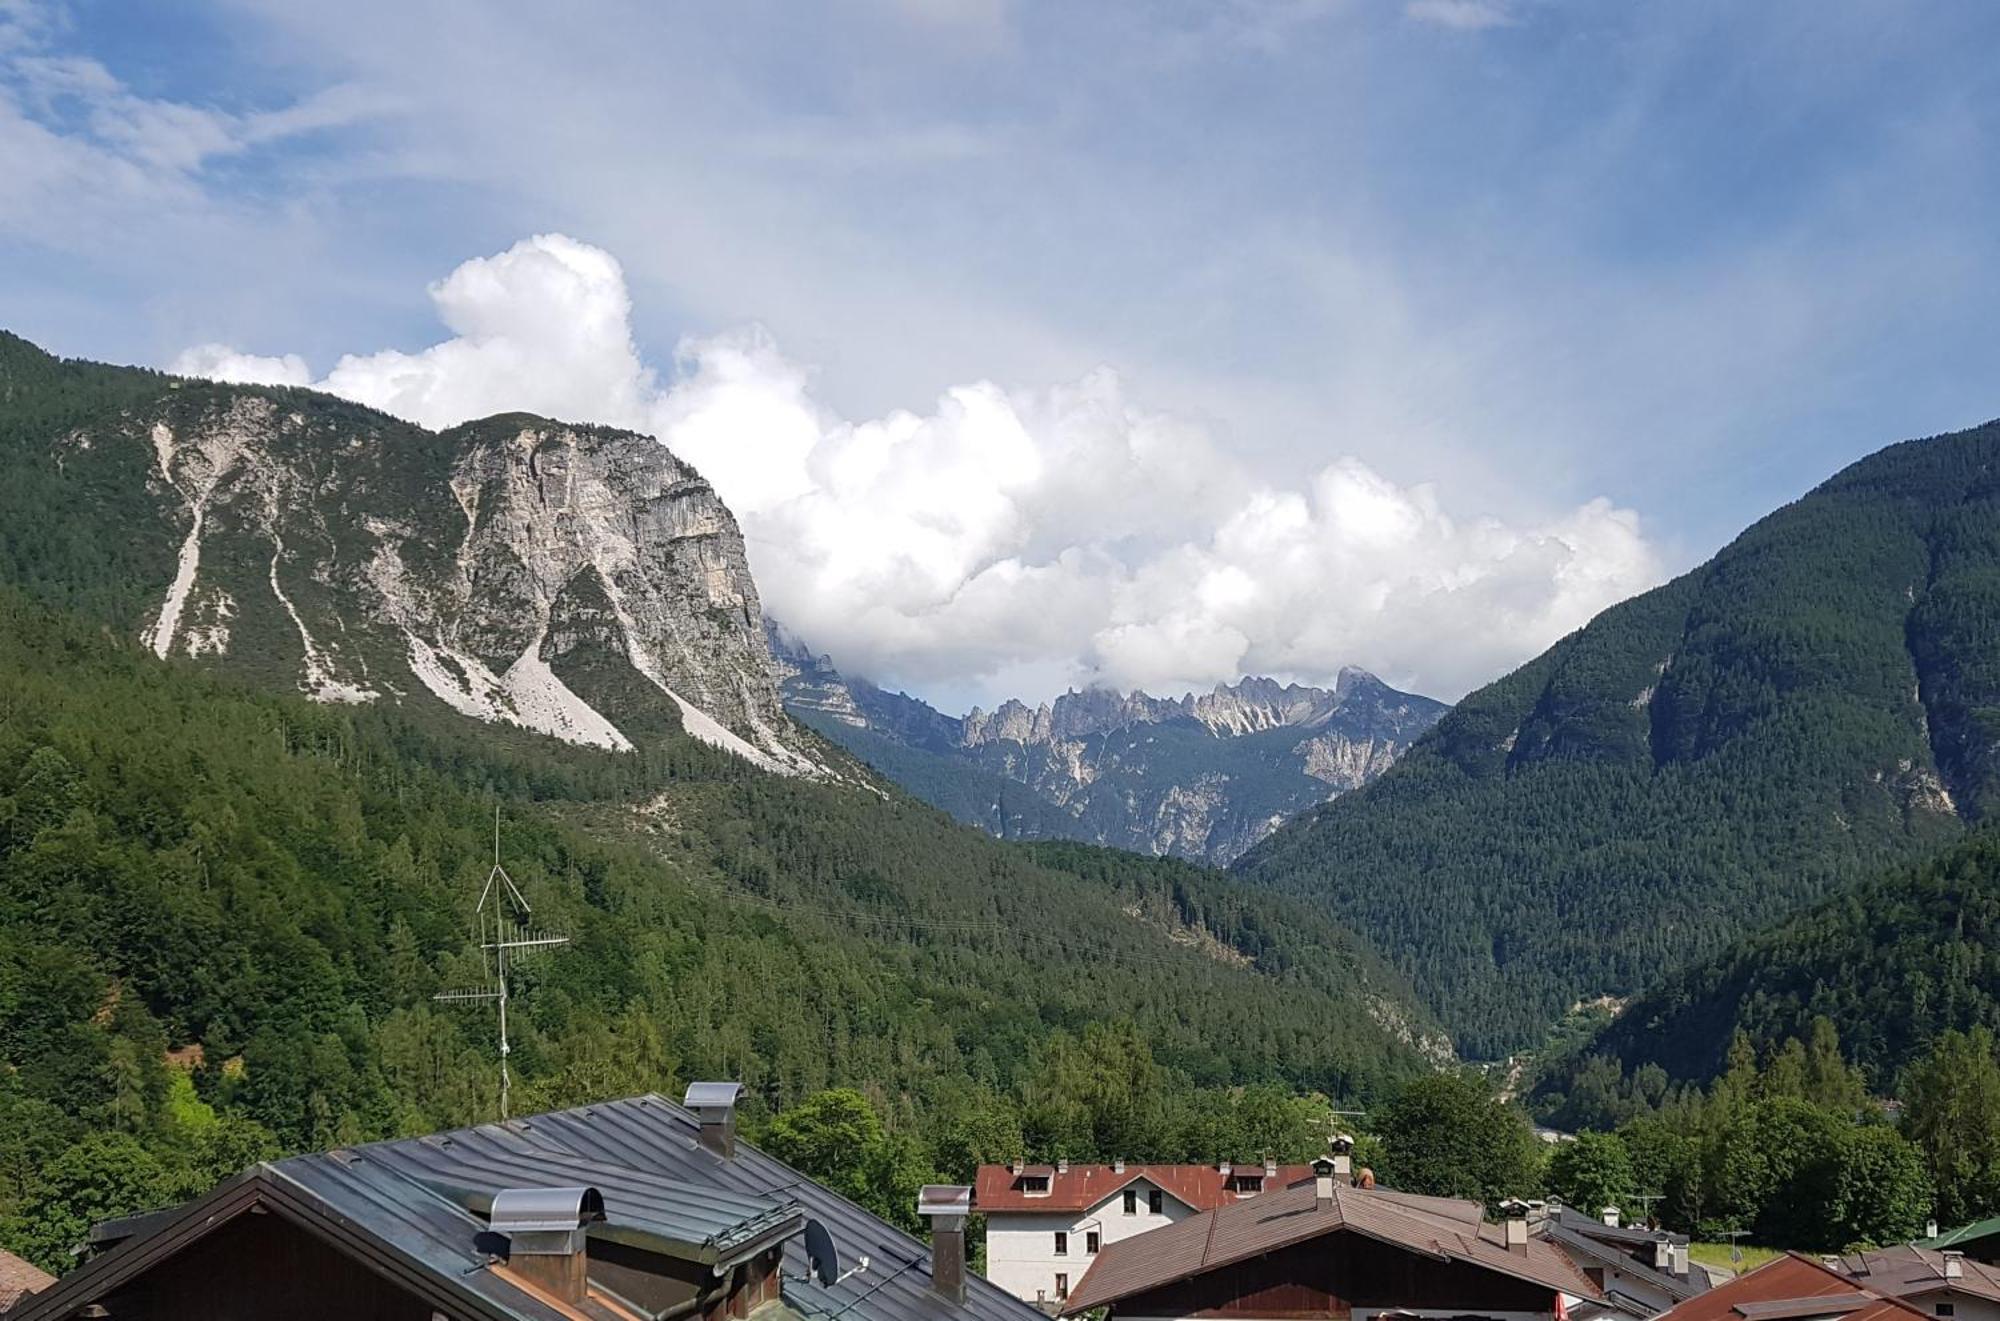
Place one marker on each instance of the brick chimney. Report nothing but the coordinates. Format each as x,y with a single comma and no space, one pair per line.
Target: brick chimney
946,1206
714,1104
546,1244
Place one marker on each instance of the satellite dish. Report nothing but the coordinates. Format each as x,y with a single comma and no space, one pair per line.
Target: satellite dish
822,1254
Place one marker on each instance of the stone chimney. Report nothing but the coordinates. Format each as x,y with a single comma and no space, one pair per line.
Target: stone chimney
1954,1265
714,1104
1514,1225
946,1206
1611,1217
544,1228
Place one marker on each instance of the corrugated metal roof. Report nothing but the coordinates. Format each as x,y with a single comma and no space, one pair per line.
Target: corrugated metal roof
1436,1227
1908,1269
419,1204
653,1133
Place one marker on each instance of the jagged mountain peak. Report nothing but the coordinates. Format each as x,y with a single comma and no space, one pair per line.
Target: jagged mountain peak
1202,775
579,581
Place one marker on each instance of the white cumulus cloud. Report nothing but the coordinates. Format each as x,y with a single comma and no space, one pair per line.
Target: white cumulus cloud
1009,538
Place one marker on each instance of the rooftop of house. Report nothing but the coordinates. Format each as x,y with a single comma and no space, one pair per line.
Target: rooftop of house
1590,1242
1792,1288
19,1279
1980,1233
1438,1227
1078,1187
1906,1270
418,1209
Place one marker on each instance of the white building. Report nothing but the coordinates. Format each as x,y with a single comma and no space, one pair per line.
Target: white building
1045,1224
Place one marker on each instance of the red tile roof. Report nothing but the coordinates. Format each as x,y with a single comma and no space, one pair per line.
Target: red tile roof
1792,1286
1437,1227
1080,1187
18,1279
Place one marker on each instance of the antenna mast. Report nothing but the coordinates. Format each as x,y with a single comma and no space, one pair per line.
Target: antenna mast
501,901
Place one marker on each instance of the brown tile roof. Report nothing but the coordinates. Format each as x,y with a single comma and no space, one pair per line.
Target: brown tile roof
1080,1187
1791,1286
18,1279
1438,1227
1906,1271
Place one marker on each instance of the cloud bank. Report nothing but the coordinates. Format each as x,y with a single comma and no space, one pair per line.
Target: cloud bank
1008,541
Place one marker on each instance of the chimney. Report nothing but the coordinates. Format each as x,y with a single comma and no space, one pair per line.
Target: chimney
1223,1165
1014,1165
1118,1165
1680,1259
1342,1148
946,1206
1270,1168
1954,1265
544,1228
1062,1165
1323,1172
1514,1225
1663,1254
1610,1216
714,1104
1930,1228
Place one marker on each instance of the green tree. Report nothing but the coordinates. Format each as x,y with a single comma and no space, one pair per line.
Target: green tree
832,1136
1880,1192
1447,1135
1952,1114
1592,1172
105,1176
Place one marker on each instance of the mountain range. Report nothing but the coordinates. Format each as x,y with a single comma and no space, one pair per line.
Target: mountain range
1201,777
269,661
1818,703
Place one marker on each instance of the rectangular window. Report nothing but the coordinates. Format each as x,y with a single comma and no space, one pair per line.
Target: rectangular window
1947,1309
1034,1183
1155,1202
1062,1243
1131,1201
1062,1285
1090,1243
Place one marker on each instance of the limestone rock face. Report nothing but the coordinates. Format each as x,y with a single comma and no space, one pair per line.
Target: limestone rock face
577,581
1203,776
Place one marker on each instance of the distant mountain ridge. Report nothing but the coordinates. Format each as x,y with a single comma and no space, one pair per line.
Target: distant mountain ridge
1202,776
1817,703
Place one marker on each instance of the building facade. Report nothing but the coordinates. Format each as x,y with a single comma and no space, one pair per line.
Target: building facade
1046,1224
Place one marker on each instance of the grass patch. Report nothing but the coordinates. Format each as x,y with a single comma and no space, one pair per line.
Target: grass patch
1717,1254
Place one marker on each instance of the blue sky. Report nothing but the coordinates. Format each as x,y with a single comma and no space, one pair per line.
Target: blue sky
1509,257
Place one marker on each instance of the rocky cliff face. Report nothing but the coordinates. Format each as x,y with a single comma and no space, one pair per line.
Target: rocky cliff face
1203,776
576,581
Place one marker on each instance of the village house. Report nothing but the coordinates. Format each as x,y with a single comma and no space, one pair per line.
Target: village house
630,1209
1940,1283
1046,1224
18,1279
1640,1272
1323,1249
1793,1288
1979,1241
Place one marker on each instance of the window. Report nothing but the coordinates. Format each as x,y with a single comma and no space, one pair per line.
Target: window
1034,1183
1947,1309
1244,1184
1155,1201
1131,1201
1090,1243
1062,1243
1062,1285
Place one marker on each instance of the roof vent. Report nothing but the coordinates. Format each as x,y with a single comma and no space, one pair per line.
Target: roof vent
545,1235
946,1206
714,1104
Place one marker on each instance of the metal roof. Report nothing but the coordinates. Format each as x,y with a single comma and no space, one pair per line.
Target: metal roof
417,1207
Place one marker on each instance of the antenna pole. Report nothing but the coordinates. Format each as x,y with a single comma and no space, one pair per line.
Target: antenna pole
506,900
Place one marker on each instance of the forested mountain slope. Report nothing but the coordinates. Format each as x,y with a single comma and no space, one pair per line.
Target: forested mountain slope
1203,776
1814,704
1892,963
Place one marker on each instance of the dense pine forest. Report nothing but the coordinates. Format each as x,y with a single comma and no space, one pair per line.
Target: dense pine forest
1819,702
223,915
1892,964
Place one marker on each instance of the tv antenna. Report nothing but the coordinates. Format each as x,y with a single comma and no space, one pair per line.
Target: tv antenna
503,916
